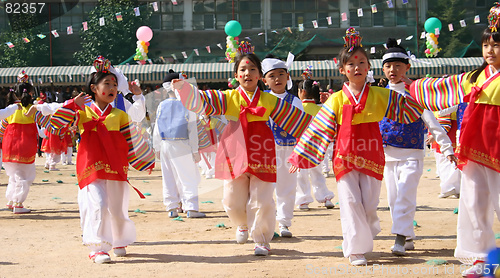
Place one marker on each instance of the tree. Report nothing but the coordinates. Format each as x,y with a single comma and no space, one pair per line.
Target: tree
450,11
115,40
23,54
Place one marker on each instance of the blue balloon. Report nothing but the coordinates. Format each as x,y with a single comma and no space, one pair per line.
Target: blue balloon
233,28
431,24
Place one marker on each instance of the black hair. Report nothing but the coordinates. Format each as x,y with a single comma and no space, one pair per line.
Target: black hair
345,55
487,34
311,89
21,92
250,56
171,75
94,79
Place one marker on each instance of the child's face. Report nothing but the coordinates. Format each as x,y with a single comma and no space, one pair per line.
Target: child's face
356,68
276,80
106,90
248,74
394,71
491,53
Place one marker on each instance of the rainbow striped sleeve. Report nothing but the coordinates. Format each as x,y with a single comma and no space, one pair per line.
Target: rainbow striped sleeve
438,93
290,118
203,140
140,155
41,120
311,148
445,122
3,126
213,102
63,116
403,109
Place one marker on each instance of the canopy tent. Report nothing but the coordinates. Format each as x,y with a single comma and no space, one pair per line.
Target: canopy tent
220,72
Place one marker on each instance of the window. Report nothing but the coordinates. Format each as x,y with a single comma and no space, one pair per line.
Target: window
401,18
378,18
168,16
291,13
353,18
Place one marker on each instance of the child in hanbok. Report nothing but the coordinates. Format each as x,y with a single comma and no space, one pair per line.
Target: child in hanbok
246,156
105,151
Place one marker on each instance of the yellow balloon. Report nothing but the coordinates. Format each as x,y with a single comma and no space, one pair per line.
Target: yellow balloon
432,35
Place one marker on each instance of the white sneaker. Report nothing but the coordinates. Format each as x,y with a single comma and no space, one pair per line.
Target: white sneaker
21,210
64,163
476,269
53,168
304,207
447,194
284,232
195,214
209,177
398,250
357,259
100,257
241,235
329,204
120,251
262,249
325,174
409,245
173,213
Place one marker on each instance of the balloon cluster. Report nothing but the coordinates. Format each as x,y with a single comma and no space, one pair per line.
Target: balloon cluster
431,25
144,34
233,30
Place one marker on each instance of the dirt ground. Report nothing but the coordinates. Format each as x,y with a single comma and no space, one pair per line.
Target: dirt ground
47,242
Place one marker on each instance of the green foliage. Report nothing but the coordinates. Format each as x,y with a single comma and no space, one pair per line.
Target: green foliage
115,40
450,11
34,53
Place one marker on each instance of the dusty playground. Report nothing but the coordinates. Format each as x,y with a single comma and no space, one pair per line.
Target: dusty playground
47,242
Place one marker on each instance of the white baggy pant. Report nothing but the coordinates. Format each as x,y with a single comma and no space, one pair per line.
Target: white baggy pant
358,199
67,156
401,180
286,186
210,158
318,183
479,198
21,176
51,159
449,175
325,164
180,175
104,215
248,201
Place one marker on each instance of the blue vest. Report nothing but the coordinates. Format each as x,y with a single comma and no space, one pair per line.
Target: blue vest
120,103
173,120
281,137
407,136
460,113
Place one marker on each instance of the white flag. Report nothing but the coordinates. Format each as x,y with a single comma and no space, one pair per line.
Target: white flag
422,35
155,6
137,11
69,30
54,32
399,41
173,56
372,49
477,19
315,23
208,49
219,45
184,54
329,20
436,31
101,21
196,51
360,12
450,27
301,27
174,2
85,27
462,23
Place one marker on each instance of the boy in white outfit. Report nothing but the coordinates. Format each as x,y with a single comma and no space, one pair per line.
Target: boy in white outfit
175,137
404,152
277,78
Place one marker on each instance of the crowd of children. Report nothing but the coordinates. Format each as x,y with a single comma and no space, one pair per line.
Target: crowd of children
257,140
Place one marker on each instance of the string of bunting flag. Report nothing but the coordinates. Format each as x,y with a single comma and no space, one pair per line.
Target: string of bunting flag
318,23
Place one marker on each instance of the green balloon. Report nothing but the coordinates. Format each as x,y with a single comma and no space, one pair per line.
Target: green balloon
431,24
233,28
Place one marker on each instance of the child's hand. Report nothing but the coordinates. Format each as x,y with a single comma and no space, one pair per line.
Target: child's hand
430,139
19,106
177,84
134,88
196,157
453,158
406,80
30,112
293,169
81,99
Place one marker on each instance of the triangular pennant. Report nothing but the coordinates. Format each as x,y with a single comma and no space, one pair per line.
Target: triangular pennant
137,11
54,33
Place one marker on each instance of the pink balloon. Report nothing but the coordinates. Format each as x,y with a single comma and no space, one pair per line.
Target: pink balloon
144,33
